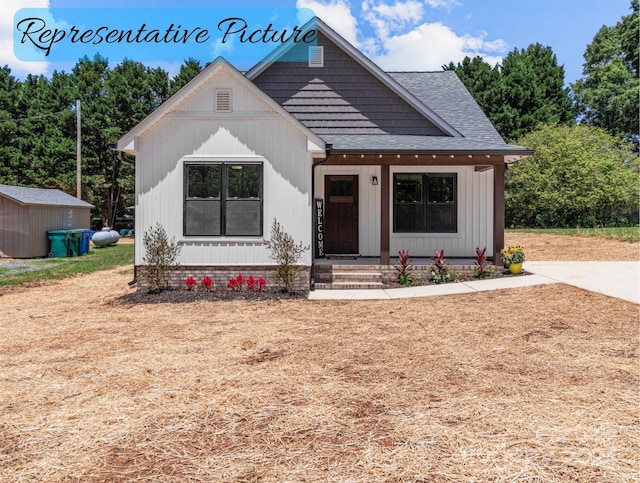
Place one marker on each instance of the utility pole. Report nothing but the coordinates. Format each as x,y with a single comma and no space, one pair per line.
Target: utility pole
78,151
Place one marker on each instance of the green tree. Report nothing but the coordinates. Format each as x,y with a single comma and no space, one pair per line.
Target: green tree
44,154
608,95
113,101
9,87
579,175
89,77
188,71
38,128
531,92
482,81
526,90
134,92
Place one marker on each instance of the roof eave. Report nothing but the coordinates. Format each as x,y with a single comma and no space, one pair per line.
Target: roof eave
519,153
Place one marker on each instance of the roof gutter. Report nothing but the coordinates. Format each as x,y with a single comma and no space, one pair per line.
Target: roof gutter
327,154
440,153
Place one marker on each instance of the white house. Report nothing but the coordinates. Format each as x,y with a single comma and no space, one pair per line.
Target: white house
348,158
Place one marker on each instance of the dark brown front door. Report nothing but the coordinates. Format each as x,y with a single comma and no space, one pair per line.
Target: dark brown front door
341,214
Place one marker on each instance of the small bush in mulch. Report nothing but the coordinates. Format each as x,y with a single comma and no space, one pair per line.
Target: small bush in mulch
178,296
459,277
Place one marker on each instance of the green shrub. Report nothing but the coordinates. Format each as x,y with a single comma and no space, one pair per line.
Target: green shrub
160,255
578,176
286,252
439,271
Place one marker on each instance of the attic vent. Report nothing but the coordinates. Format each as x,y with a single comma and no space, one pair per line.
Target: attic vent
316,56
223,100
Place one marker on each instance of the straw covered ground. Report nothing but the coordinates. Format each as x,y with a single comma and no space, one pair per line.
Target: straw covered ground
529,384
548,248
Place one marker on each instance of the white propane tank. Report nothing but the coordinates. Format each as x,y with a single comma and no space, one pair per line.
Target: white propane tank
105,237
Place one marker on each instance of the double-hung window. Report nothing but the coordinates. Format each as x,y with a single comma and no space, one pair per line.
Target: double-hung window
425,203
223,199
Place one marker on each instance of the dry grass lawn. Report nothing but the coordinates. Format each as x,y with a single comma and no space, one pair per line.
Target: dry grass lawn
543,247
530,384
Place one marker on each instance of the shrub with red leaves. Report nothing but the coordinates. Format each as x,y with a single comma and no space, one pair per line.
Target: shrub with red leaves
256,285
235,284
190,283
207,284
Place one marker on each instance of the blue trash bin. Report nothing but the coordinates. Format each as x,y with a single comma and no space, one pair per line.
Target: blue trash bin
84,241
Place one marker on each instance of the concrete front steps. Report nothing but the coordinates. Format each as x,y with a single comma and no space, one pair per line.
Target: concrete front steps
343,277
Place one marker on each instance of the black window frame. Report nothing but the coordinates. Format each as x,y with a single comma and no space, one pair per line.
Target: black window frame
223,199
424,207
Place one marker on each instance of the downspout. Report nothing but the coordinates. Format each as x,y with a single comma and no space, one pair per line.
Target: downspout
129,160
327,154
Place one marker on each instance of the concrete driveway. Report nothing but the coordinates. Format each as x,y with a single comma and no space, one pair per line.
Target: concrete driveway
616,279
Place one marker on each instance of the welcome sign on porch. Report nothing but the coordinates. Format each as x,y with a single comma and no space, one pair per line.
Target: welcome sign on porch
319,228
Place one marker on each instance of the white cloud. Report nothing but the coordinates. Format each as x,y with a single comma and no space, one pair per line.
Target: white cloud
447,4
401,39
387,19
7,57
431,45
335,13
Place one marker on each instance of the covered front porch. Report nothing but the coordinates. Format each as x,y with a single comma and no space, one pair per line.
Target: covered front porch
369,206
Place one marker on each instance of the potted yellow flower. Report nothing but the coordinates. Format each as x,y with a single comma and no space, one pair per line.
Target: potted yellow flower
512,258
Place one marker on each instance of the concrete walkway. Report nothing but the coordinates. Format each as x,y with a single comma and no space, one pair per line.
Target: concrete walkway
616,279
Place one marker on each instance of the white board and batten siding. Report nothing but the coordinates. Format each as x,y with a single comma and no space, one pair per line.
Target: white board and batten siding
475,211
475,216
251,132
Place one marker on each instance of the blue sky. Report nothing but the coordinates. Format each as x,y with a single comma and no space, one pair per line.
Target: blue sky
397,34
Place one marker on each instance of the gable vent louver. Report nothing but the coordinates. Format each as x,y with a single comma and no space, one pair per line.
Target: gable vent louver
316,56
223,100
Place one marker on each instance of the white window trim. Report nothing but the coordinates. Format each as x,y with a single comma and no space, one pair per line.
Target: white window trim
183,239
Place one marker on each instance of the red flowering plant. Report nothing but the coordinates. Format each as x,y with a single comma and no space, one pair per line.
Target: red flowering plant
256,285
207,284
190,283
235,284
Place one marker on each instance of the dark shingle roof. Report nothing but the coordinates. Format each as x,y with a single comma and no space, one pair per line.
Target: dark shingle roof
40,196
445,94
448,97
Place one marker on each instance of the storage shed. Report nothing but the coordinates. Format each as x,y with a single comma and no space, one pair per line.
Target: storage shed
26,214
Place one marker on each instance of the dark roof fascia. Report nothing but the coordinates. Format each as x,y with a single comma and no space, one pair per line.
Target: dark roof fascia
439,152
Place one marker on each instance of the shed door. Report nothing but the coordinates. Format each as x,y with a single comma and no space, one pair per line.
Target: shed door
341,214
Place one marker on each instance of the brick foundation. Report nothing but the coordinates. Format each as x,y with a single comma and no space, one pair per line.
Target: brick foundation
221,275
